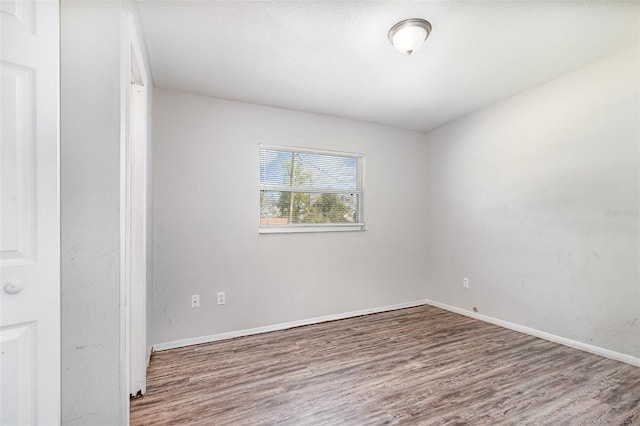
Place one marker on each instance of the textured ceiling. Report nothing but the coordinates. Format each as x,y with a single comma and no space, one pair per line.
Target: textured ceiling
333,57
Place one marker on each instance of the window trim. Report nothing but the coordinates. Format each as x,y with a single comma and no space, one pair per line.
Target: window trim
314,227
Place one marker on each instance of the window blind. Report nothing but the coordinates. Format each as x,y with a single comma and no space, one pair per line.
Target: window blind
310,189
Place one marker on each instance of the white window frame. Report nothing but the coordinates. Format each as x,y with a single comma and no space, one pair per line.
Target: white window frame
314,227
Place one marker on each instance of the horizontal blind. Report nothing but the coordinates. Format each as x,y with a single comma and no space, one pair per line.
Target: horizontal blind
320,172
307,187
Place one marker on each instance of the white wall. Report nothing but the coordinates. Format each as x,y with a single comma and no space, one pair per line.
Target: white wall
90,216
536,200
207,207
90,199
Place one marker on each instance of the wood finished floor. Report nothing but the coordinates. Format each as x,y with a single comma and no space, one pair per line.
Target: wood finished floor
416,366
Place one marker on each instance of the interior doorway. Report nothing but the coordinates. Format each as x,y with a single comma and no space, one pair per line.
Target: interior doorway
134,199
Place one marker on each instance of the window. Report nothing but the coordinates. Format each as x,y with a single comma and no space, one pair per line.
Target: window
304,190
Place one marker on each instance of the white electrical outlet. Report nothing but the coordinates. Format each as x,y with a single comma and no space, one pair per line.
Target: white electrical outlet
221,298
195,301
465,282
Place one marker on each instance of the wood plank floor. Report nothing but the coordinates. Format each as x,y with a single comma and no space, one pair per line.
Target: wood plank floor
416,366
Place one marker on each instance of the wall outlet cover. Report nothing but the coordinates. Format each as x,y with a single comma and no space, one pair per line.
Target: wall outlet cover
195,301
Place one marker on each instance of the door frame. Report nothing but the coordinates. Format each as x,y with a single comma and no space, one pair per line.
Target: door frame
131,51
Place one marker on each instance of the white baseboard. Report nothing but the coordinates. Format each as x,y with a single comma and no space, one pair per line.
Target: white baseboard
541,334
282,326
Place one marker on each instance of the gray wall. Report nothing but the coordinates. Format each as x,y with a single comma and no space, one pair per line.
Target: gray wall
536,199
90,212
207,210
90,200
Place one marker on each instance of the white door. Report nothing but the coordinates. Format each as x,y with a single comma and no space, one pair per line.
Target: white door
29,213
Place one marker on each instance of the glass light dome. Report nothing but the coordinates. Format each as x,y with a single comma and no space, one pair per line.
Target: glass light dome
408,36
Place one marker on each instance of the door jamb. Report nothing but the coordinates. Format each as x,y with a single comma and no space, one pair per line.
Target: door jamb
130,44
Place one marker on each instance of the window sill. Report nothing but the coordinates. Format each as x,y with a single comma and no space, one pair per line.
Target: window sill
311,228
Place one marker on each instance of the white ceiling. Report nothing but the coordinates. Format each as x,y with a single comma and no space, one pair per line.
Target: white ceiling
333,57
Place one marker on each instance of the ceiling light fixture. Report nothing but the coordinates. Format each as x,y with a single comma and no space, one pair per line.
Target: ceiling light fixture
407,36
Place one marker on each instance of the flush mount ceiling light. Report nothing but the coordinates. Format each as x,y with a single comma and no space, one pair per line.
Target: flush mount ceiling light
407,36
